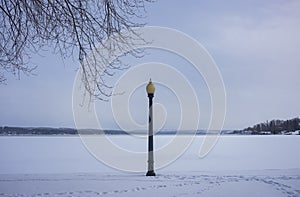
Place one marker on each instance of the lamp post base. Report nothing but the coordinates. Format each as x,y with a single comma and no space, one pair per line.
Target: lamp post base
150,173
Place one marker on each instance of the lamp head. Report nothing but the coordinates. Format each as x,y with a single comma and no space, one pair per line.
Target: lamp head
150,88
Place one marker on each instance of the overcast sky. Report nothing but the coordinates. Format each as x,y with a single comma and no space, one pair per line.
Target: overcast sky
255,44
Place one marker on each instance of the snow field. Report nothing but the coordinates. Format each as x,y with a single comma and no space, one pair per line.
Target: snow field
237,166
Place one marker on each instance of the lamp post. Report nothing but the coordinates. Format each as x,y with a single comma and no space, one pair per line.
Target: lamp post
150,91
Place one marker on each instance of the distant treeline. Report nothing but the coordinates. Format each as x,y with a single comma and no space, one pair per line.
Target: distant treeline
54,131
7,131
276,126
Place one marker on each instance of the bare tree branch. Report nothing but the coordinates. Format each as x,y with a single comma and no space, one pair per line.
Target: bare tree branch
69,26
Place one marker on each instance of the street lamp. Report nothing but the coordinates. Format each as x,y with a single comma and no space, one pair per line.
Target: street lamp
150,91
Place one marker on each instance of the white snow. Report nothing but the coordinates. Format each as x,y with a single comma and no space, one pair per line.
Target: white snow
237,166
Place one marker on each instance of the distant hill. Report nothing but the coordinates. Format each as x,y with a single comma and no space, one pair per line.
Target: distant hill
291,126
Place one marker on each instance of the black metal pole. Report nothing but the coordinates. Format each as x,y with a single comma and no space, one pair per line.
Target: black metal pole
150,138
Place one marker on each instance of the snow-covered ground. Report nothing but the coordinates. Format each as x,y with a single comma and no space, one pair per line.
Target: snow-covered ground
237,166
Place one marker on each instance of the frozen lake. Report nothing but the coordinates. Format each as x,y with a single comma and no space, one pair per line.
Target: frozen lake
237,166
